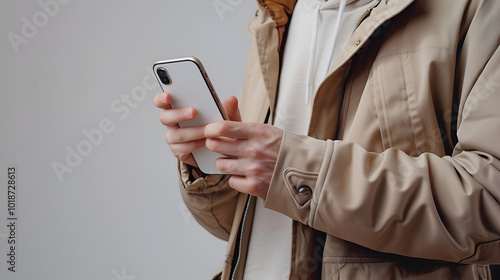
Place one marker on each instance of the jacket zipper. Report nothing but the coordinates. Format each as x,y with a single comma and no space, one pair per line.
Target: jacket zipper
240,241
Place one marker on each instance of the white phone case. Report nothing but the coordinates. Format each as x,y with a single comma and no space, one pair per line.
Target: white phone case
190,87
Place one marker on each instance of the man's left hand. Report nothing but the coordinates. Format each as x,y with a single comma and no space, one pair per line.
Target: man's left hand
253,150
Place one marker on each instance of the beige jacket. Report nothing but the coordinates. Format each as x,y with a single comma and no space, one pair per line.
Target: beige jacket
412,189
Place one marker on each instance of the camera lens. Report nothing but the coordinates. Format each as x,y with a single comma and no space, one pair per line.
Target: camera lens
162,74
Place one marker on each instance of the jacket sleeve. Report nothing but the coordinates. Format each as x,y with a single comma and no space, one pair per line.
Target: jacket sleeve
445,208
209,199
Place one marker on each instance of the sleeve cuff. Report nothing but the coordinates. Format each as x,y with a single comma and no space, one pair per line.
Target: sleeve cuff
194,183
295,186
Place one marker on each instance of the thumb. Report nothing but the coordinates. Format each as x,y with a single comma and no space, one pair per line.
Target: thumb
232,110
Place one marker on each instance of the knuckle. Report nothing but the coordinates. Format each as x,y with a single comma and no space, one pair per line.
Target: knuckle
169,137
216,129
258,130
179,153
175,153
221,165
253,152
232,183
161,117
175,150
221,127
164,118
209,144
212,145
253,186
254,170
179,135
184,157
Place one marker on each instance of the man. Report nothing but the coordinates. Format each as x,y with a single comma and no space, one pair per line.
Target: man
394,174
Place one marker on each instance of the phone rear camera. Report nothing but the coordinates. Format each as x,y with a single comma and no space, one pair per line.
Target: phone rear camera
163,75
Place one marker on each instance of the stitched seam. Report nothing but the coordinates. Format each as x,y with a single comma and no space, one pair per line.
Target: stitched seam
377,103
410,109
383,110
321,180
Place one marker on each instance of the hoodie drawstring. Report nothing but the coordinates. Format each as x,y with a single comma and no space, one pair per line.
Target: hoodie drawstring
312,50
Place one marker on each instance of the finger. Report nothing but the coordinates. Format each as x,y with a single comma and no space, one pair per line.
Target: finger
232,110
172,117
232,129
183,151
248,185
162,100
240,166
189,160
227,146
176,135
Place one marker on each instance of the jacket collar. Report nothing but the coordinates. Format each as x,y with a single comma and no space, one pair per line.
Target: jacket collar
269,37
281,11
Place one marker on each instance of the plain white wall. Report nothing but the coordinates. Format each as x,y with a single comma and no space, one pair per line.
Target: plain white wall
74,68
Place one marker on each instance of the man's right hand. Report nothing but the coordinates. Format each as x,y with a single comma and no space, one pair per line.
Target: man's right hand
183,141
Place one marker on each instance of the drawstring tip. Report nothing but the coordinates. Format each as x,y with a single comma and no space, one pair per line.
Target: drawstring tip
308,96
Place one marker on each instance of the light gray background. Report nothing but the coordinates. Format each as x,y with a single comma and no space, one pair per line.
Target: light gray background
118,214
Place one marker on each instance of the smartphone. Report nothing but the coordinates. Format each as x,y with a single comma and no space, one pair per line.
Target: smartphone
188,83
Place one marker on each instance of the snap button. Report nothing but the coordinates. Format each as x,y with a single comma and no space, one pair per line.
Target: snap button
304,194
358,42
300,185
305,190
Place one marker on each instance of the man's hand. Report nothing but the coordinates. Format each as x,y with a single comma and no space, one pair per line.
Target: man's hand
253,149
183,141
